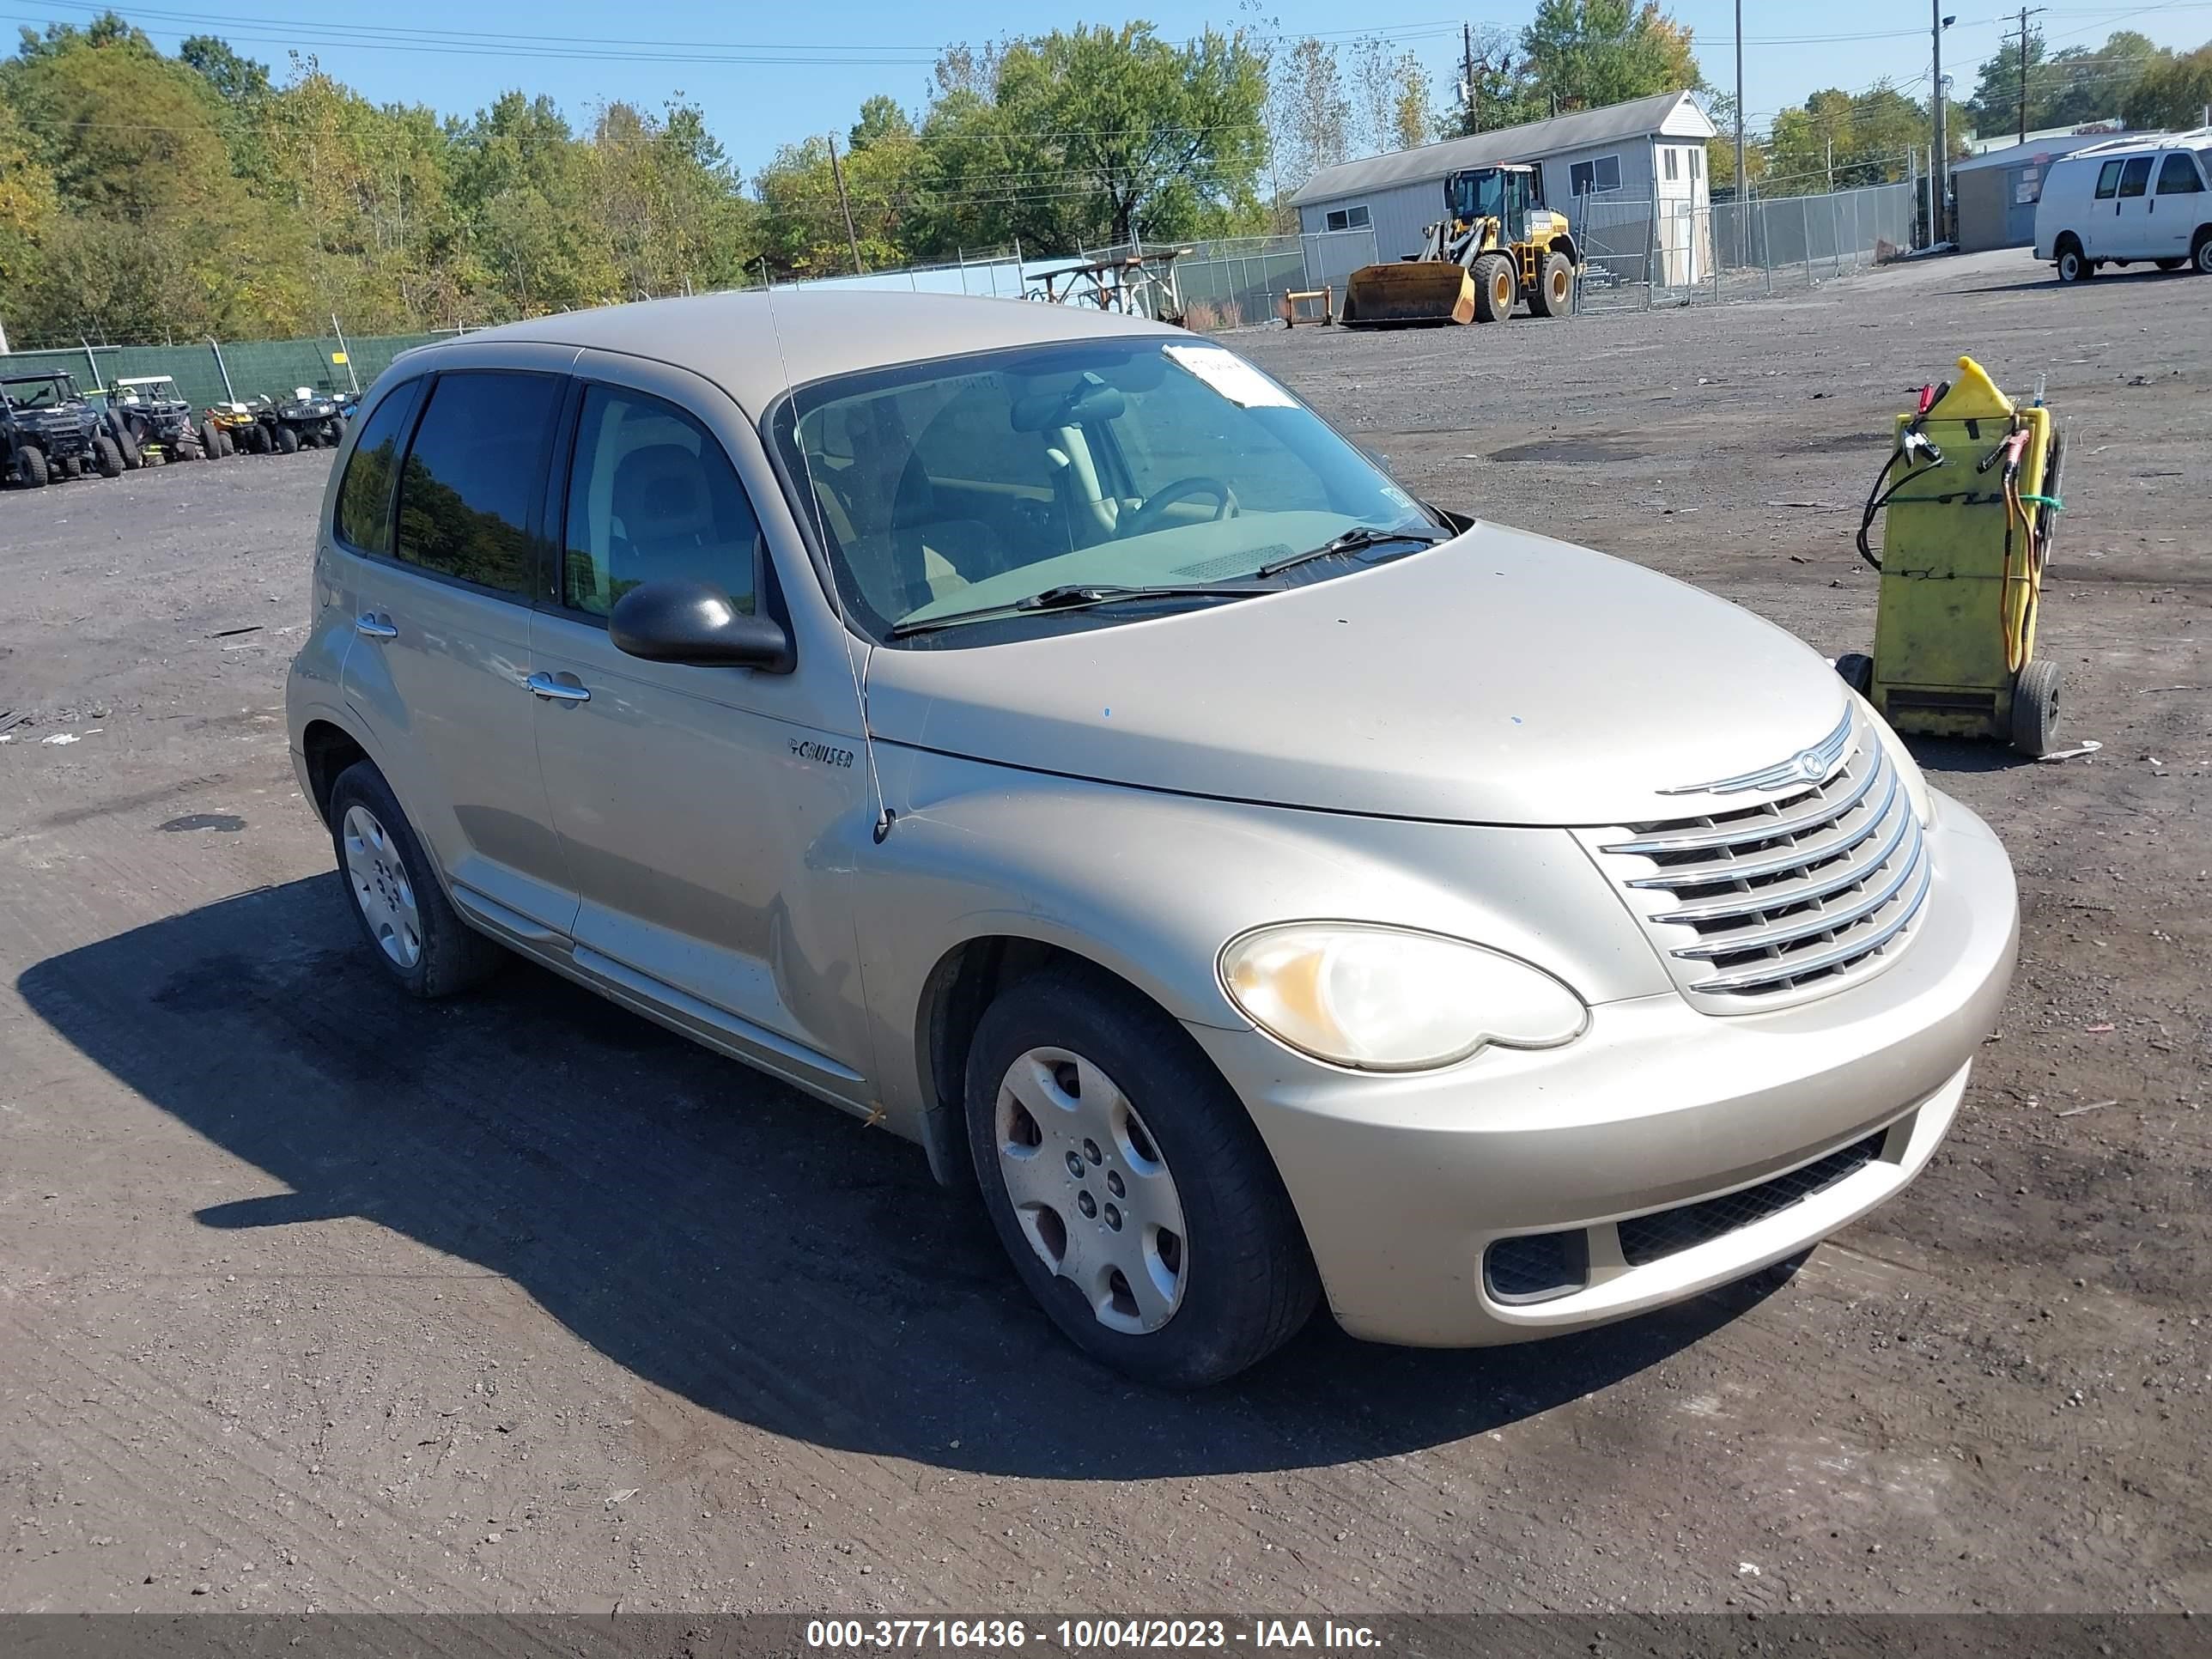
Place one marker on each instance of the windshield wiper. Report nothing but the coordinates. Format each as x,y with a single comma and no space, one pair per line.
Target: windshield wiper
1079,597
1359,536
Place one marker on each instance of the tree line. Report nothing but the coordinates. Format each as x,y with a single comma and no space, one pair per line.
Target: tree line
145,195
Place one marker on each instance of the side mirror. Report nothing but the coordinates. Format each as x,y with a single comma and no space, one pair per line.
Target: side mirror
692,623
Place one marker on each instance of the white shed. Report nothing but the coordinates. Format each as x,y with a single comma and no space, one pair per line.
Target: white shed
1648,150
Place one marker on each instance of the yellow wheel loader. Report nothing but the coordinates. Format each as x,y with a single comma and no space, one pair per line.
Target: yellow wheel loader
1496,247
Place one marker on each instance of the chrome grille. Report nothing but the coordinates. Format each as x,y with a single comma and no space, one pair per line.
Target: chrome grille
1787,900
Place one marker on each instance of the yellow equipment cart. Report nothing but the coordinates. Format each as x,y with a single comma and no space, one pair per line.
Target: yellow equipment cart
1970,495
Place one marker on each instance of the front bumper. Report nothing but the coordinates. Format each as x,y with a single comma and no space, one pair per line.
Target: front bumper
1402,1183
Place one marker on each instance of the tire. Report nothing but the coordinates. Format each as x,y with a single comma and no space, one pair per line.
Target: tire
31,468
2036,717
2170,264
257,439
2200,252
106,457
226,446
1494,288
288,441
71,467
1554,294
413,932
2073,266
126,445
1227,1276
210,439
186,448
1857,670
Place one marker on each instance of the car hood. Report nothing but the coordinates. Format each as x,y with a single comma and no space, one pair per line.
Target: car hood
1502,677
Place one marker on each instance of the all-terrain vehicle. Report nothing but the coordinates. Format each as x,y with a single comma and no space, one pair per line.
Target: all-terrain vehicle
47,430
236,427
156,417
307,420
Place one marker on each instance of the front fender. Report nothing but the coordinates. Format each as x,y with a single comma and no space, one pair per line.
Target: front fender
1151,886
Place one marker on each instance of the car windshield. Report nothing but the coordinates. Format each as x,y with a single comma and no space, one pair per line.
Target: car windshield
962,486
1482,196
41,394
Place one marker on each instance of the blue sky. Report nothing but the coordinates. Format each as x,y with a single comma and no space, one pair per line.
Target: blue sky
768,73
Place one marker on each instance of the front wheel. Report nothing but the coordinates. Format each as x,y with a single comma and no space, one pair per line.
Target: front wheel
1494,288
288,441
31,468
2073,266
210,439
1129,1185
126,446
106,457
2170,264
2200,253
1857,669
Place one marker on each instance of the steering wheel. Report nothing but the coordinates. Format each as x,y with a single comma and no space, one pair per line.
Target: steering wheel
1147,518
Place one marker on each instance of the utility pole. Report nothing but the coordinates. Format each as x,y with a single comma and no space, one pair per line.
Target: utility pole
1467,68
1940,155
1742,177
845,208
2025,14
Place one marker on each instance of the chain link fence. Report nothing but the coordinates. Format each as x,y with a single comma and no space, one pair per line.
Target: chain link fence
257,369
1655,252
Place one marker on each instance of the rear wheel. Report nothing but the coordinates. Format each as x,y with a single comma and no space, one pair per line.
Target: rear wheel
1494,288
288,441
2200,252
107,456
2035,711
2073,264
1554,296
423,945
31,468
1129,1185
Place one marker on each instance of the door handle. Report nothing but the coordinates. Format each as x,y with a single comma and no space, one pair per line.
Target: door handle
553,690
371,626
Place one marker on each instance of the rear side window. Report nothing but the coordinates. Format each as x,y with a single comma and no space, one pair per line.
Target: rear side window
2135,180
2108,180
364,510
473,472
652,497
2176,175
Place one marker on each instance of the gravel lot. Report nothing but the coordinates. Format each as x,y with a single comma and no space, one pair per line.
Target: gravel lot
308,1298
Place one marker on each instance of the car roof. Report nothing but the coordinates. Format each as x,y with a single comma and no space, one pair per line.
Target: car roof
2196,138
746,341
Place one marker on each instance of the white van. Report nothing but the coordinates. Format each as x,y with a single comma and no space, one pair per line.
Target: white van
2139,199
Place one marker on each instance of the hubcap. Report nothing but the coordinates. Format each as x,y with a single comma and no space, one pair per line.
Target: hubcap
1090,1189
1558,285
382,888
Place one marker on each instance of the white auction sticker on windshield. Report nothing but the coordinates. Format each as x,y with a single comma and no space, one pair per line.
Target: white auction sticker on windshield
1231,376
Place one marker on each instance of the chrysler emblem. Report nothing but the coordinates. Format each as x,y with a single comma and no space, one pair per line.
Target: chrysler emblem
1814,765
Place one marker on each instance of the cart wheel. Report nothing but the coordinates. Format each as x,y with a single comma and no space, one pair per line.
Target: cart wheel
1858,670
2035,713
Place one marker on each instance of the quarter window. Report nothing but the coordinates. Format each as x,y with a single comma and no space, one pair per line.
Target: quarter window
2176,175
475,467
2134,178
364,511
652,497
2108,180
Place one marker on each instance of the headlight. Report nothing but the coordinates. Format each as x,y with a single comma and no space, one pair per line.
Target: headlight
1908,769
1390,999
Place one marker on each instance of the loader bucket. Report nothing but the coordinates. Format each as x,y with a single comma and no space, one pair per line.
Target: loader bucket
1410,291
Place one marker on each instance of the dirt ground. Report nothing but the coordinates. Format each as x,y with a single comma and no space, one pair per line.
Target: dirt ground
310,1298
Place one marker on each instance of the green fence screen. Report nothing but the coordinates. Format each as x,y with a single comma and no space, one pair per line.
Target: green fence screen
258,368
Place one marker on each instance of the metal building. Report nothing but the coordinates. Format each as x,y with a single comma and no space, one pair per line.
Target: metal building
1994,194
1649,149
